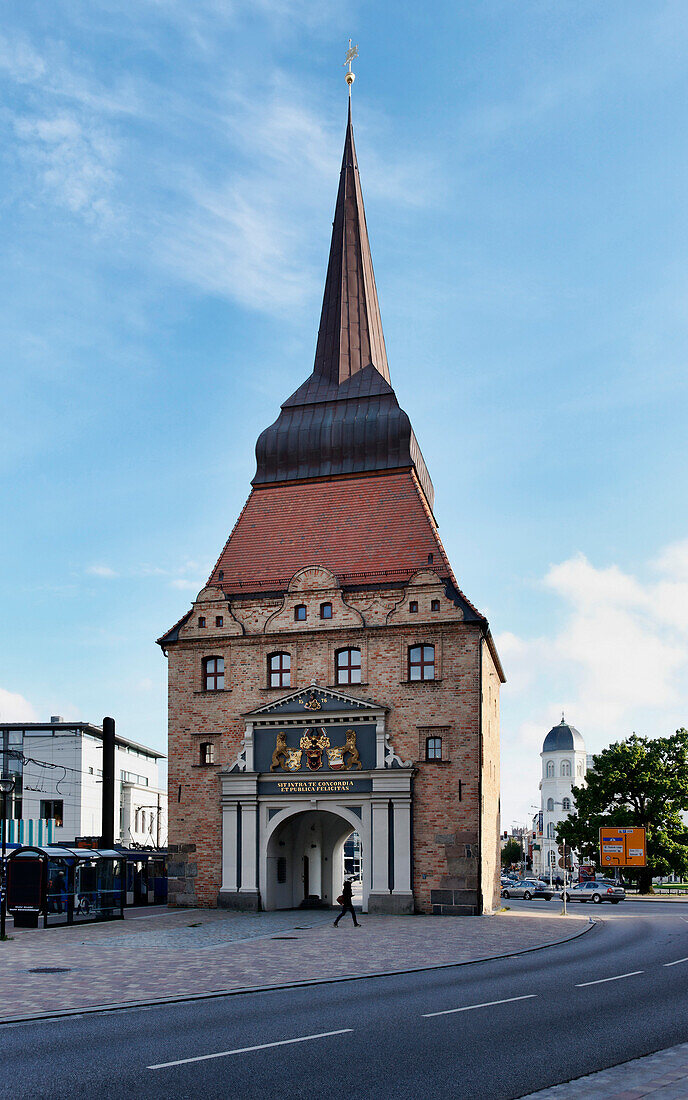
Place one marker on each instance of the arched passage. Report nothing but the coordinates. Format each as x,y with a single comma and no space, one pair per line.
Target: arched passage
304,857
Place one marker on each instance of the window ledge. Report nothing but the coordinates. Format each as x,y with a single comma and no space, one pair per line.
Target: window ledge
436,763
360,684
213,691
206,765
418,683
268,688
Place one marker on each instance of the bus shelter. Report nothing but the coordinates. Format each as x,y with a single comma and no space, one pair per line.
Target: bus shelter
145,875
60,885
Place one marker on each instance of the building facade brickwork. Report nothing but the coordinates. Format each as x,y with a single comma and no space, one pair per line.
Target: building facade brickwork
332,677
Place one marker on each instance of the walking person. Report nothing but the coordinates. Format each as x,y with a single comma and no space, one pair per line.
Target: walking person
346,902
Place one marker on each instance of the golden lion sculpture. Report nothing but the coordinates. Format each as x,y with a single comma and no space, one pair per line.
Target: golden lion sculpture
350,748
279,756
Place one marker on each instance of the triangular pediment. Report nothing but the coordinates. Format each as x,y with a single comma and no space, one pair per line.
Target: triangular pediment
314,700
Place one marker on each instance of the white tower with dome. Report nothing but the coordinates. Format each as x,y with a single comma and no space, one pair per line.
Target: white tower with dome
564,764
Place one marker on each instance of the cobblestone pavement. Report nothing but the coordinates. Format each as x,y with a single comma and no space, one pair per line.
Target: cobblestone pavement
185,952
663,1075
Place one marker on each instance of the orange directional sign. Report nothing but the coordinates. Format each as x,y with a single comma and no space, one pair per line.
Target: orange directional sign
622,846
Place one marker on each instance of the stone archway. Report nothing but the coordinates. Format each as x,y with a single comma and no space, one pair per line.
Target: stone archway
303,856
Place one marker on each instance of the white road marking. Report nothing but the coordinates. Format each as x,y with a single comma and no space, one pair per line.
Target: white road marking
485,1004
247,1050
616,978
676,962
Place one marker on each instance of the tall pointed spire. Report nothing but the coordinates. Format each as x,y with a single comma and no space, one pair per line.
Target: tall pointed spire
350,335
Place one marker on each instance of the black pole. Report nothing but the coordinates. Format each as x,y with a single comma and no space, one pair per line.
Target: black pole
107,838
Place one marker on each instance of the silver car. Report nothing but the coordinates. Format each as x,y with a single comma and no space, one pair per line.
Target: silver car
524,889
596,892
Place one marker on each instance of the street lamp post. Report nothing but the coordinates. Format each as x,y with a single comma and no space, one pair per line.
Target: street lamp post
6,787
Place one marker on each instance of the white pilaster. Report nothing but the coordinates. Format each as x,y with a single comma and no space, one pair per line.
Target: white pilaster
229,847
402,847
249,838
380,844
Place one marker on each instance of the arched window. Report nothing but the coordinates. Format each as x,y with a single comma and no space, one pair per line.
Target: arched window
550,804
207,752
421,662
433,748
348,666
214,673
566,767
550,830
550,769
566,804
279,670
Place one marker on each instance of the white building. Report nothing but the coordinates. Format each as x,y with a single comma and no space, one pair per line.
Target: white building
58,769
564,764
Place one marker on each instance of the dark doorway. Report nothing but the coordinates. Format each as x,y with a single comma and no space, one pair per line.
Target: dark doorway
306,878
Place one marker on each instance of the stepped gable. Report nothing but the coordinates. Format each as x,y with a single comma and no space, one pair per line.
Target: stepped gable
345,418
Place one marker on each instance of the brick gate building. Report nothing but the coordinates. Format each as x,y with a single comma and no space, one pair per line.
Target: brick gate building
332,677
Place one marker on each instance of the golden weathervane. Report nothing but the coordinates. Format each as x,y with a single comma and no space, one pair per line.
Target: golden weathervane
351,53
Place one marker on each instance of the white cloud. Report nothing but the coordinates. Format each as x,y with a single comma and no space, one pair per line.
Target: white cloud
74,159
185,585
617,661
15,708
101,571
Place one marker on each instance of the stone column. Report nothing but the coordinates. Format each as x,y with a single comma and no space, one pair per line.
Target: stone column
239,888
249,848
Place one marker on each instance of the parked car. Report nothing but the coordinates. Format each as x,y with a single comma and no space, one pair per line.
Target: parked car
527,889
596,891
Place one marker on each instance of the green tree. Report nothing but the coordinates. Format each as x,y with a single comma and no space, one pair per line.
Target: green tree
512,852
639,781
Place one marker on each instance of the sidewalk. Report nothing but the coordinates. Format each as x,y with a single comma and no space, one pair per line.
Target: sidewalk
173,953
663,1076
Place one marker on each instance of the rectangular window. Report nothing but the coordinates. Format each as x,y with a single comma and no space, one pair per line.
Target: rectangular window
413,607
214,673
421,662
52,808
201,621
348,666
433,748
207,752
219,620
279,670
435,605
325,610
300,613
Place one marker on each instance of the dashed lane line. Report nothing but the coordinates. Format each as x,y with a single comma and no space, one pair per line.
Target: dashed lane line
247,1050
485,1004
676,962
615,978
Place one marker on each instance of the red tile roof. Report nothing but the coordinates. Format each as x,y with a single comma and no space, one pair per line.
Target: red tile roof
366,530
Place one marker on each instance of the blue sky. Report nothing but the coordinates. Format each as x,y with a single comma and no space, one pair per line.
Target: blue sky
168,177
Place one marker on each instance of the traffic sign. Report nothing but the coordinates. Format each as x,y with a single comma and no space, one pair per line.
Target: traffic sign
622,846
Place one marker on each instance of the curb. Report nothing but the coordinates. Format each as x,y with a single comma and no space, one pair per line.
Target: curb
183,998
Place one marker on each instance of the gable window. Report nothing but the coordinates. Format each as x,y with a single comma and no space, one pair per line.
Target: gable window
421,662
214,673
550,804
550,769
566,767
300,613
279,670
219,620
348,666
566,803
413,607
435,605
325,610
201,621
433,748
207,752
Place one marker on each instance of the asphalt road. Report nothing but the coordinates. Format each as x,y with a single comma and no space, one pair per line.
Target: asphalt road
495,1029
